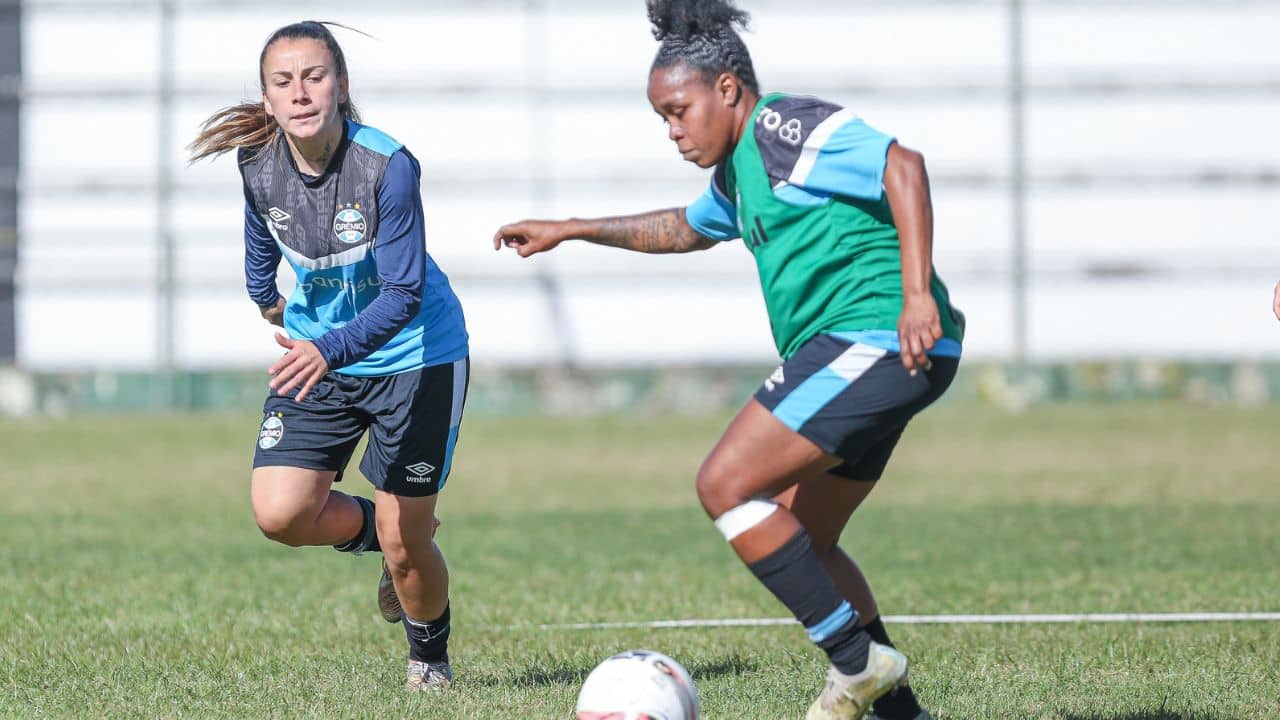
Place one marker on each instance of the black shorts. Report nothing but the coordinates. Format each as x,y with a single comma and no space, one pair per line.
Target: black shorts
412,419
852,400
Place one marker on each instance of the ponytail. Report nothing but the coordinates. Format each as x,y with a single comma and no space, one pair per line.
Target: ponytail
247,125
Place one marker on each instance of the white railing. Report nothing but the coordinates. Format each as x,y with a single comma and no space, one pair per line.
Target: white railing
1012,68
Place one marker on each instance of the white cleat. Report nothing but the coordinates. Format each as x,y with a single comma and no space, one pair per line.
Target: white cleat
849,697
423,676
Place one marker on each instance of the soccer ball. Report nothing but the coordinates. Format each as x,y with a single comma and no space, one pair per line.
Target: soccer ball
638,685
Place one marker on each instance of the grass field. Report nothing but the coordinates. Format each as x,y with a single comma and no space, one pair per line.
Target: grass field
133,582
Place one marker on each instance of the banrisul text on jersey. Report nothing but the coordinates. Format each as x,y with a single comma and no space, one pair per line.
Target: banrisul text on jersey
804,190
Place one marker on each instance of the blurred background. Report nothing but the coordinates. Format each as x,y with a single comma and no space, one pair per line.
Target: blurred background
1105,177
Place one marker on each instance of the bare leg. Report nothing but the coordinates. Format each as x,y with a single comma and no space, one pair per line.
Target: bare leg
758,457
823,506
418,569
297,507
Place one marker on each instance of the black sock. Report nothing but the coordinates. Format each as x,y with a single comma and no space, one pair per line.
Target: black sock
367,539
428,641
899,703
795,575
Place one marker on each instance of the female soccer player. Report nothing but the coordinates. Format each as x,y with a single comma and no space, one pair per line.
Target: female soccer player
376,340
839,220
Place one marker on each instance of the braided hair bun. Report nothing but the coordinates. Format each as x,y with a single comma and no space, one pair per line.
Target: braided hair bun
684,19
702,34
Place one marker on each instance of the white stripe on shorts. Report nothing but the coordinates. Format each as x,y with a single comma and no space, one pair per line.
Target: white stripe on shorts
855,361
459,391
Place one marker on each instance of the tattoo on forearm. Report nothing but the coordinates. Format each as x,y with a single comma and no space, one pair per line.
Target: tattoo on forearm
663,231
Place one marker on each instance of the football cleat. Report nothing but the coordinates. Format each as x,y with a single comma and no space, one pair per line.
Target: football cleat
388,601
426,676
849,697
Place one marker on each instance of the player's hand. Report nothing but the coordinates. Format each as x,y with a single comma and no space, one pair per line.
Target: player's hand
531,236
1275,302
302,366
274,314
919,328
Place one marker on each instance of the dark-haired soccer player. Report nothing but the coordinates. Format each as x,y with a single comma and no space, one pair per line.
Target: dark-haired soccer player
838,217
376,336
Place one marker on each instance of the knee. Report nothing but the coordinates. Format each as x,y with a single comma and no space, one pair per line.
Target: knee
395,552
402,551
281,525
719,489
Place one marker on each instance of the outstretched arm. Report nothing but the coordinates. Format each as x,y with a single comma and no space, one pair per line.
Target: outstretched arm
660,231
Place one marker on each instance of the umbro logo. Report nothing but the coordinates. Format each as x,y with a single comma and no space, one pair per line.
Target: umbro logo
421,472
278,218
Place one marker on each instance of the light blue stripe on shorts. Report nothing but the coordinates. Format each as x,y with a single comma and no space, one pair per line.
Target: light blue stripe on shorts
888,339
823,386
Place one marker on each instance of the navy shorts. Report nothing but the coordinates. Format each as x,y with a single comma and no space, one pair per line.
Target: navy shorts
412,419
852,400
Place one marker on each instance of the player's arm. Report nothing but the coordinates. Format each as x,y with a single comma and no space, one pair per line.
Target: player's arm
1275,302
660,231
261,259
837,154
906,185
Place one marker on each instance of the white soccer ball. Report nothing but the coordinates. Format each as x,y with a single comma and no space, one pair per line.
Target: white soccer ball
638,685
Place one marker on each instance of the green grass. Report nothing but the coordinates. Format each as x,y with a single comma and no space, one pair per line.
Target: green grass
134,584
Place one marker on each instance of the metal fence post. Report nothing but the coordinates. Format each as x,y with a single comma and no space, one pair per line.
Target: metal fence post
1018,180
165,286
10,148
542,189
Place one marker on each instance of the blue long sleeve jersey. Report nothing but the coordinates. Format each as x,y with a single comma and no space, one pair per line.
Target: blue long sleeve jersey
368,294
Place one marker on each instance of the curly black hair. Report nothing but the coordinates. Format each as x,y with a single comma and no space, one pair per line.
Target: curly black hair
701,34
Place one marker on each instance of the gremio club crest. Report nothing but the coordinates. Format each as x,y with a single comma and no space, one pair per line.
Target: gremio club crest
349,224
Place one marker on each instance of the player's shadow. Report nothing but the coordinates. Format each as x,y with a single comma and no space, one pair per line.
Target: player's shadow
1151,715
734,665
573,675
547,676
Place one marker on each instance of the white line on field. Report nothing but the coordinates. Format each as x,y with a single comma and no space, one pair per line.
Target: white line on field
941,620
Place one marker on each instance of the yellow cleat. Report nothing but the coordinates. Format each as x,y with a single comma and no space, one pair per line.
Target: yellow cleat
849,697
